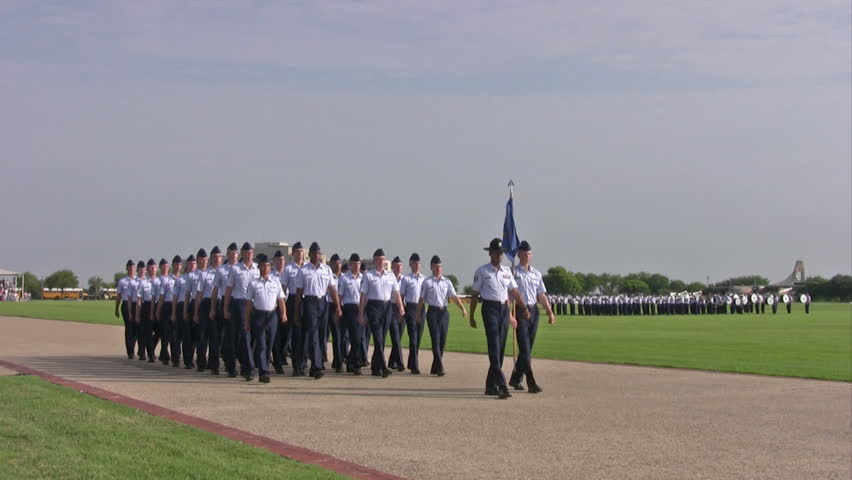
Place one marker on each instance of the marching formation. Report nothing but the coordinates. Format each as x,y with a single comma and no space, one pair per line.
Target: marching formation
674,304
255,316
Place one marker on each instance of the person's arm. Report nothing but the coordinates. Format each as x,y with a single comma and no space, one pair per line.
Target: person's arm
118,298
297,306
160,303
458,302
336,299
361,304
419,310
474,298
400,306
214,297
515,294
512,320
247,319
198,294
282,307
542,298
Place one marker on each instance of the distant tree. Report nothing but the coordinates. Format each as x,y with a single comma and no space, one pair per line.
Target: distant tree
96,284
468,290
609,283
32,285
118,276
61,279
677,286
839,288
561,281
657,282
634,286
748,280
592,282
455,280
696,287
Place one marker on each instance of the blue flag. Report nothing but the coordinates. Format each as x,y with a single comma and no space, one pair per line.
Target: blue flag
510,234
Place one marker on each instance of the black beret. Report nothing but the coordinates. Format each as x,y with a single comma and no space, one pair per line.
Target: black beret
314,247
415,257
190,258
396,260
141,264
246,246
335,258
297,245
436,260
262,258
524,246
163,262
233,247
379,253
151,262
354,258
201,253
278,254
215,250
129,263
177,259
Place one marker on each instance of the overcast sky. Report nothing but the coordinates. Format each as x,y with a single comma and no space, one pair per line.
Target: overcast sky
695,139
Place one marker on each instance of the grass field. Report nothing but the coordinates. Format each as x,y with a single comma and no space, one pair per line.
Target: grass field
48,431
818,345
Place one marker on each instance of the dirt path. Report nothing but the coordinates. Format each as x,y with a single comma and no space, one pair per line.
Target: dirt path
591,422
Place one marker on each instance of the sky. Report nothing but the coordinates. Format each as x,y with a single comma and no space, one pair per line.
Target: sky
700,139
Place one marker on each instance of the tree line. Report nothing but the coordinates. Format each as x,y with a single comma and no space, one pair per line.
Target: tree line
558,280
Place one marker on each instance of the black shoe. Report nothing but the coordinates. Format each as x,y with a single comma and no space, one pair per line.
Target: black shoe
516,385
400,368
441,373
386,373
264,379
356,371
376,373
504,394
164,362
296,372
176,364
534,388
151,360
491,391
338,370
188,367
317,374
415,371
142,358
279,370
214,371
200,368
130,357
232,374
249,377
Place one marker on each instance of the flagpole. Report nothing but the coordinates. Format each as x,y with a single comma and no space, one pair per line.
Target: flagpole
514,310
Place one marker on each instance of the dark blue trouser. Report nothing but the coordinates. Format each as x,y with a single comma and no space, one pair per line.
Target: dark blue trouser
297,335
338,336
165,332
146,331
495,317
526,339
201,332
281,345
129,328
244,344
323,330
213,336
262,324
177,334
350,323
313,309
397,330
415,334
231,337
377,313
186,330
438,319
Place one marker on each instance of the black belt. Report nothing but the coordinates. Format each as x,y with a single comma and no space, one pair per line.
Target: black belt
378,302
440,309
493,303
313,297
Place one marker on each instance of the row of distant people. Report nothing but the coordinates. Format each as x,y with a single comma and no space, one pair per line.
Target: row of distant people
671,304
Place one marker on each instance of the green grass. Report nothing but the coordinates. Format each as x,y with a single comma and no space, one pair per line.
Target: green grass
818,345
48,431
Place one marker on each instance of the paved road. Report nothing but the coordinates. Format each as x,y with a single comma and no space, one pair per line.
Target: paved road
592,421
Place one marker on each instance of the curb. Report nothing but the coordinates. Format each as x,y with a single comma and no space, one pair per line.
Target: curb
292,452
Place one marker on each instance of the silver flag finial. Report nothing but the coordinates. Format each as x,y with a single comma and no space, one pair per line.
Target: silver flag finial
511,187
